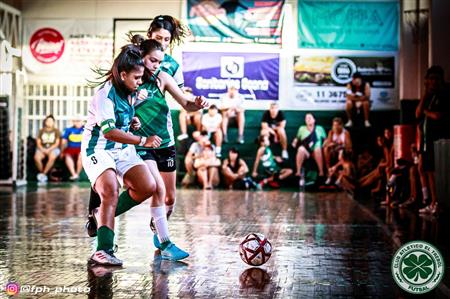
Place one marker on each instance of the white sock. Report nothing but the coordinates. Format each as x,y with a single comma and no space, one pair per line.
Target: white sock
162,227
218,150
425,192
170,209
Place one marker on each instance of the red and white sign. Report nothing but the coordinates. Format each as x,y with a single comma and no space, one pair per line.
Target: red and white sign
47,45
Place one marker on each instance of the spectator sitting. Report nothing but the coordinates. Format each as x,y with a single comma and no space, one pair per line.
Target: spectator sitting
207,165
231,106
188,118
274,123
358,95
379,172
201,139
211,122
47,143
337,141
343,172
309,141
71,146
271,164
234,170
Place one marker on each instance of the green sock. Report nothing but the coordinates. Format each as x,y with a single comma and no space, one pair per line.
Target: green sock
125,203
165,244
105,238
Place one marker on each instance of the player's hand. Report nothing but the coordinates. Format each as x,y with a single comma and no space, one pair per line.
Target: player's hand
200,102
153,141
135,123
142,94
254,174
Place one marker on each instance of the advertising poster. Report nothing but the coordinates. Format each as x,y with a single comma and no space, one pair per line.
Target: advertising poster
235,21
320,81
66,47
349,25
255,75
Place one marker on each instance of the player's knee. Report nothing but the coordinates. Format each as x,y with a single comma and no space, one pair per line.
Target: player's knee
108,194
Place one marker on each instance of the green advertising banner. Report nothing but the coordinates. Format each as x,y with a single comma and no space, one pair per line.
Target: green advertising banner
348,25
243,21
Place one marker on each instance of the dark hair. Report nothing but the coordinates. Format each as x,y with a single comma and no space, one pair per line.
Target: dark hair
338,120
136,39
357,75
234,150
169,23
129,59
213,107
435,70
204,133
50,116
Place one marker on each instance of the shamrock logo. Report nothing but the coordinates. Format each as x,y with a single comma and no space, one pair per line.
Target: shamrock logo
417,266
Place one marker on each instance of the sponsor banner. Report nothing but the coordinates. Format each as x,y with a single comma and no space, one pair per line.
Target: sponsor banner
320,81
255,75
350,25
245,21
66,47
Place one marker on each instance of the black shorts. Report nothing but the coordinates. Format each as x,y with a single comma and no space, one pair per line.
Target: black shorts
165,158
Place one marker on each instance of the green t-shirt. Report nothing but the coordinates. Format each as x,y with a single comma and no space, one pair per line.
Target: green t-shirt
303,133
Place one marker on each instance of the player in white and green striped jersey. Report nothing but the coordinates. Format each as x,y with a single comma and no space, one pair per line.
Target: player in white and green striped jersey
105,152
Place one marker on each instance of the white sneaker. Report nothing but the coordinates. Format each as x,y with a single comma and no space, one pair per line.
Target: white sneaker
103,257
285,154
367,124
42,178
349,123
182,137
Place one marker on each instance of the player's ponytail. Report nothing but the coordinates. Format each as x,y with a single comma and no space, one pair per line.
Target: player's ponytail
129,59
136,39
177,30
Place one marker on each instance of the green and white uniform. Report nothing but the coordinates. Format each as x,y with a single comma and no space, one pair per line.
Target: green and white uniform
268,162
109,109
154,114
170,66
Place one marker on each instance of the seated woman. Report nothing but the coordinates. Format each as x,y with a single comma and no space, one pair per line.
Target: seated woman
343,173
47,143
377,174
207,166
309,142
337,141
273,170
234,170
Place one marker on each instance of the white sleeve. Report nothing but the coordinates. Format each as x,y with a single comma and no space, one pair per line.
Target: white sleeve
178,76
105,117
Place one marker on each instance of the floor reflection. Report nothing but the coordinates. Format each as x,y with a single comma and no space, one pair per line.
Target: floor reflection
324,245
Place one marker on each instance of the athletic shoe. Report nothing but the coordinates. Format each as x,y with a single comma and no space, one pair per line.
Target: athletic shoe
107,257
349,123
225,138
74,178
367,124
407,203
182,137
42,178
156,241
91,226
274,184
430,209
173,253
240,139
285,154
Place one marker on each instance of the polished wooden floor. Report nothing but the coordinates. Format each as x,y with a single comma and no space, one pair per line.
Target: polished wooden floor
324,245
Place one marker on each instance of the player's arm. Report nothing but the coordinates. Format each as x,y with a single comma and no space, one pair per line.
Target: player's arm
171,86
349,93
259,154
367,91
105,118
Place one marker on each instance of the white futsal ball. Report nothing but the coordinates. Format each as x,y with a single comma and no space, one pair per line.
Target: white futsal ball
255,249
